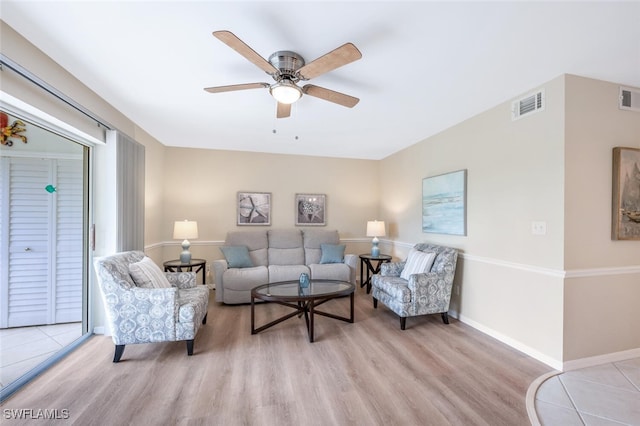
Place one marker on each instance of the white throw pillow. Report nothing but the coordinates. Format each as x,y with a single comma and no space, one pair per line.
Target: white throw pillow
147,274
417,263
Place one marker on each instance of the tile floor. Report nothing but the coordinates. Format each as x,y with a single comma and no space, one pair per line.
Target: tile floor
607,394
23,348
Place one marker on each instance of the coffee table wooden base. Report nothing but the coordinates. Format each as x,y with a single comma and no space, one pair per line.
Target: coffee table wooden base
303,307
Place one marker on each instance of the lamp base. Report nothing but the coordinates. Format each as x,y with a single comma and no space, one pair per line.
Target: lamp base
185,256
375,250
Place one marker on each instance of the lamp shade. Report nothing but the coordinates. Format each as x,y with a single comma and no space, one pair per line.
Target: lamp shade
185,229
375,228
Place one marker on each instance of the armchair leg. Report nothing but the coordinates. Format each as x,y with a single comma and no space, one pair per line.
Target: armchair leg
204,320
190,347
375,303
445,317
118,353
403,323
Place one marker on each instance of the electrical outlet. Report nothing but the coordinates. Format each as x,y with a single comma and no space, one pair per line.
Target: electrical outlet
539,228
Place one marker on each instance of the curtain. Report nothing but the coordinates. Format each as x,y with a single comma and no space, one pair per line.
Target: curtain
130,193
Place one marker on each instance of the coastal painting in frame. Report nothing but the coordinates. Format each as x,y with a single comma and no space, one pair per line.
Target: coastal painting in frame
254,208
626,194
310,210
444,199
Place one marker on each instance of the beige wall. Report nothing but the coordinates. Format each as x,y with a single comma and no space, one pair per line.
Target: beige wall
202,185
602,291
509,282
570,294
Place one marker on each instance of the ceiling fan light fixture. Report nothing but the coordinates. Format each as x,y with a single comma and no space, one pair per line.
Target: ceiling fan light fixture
285,92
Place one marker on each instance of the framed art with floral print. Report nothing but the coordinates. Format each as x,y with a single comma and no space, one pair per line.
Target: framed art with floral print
625,214
310,210
254,208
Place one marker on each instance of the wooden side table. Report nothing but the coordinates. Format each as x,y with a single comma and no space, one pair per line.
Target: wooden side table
365,264
177,266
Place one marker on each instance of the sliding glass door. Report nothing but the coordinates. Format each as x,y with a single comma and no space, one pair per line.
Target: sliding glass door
44,247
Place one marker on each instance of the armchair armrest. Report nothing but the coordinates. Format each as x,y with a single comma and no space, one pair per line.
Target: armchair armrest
126,307
435,286
181,279
391,269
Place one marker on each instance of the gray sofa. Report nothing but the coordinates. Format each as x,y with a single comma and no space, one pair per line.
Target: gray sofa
279,255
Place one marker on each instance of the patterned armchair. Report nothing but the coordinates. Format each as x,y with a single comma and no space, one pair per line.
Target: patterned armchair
147,314
422,293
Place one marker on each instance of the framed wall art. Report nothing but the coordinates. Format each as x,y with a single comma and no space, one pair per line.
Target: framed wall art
254,208
310,210
625,213
444,203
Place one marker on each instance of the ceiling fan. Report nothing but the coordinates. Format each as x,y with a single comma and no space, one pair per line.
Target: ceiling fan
287,69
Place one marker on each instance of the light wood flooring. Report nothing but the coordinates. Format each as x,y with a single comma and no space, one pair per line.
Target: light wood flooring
366,373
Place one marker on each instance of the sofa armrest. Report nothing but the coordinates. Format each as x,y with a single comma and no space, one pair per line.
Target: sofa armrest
219,267
391,269
351,260
181,279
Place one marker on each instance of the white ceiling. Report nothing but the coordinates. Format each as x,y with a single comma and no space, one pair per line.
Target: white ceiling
425,65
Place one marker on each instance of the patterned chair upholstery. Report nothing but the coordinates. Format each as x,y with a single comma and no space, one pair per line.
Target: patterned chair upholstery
148,315
422,294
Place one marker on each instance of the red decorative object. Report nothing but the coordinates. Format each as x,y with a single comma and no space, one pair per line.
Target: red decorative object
12,131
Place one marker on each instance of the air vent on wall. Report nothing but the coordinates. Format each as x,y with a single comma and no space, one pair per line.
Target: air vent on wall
529,104
629,99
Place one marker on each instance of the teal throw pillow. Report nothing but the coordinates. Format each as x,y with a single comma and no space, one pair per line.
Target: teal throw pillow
237,256
332,253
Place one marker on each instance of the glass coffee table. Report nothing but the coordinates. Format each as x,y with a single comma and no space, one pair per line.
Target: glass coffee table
304,301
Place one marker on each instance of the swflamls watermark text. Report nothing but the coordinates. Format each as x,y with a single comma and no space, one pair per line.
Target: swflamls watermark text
35,414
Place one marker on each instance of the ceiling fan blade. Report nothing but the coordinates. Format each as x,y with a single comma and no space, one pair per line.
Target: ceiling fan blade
343,55
234,87
284,110
330,95
230,39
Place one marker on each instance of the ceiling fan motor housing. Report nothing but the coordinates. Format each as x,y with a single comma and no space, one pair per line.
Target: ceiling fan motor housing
288,63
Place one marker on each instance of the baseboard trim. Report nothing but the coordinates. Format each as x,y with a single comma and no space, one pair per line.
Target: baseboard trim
515,344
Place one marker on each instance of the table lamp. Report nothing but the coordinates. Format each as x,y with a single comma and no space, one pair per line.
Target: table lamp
183,230
375,229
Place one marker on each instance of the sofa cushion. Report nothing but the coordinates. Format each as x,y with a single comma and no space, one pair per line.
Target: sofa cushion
331,271
418,262
147,274
285,247
237,256
245,278
279,273
255,241
332,253
313,239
